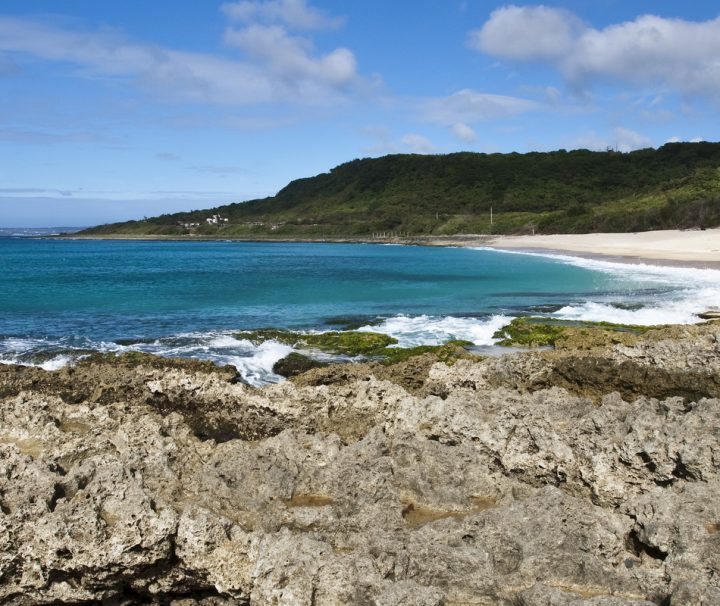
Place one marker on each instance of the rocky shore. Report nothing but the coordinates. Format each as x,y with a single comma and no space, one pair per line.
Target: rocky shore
587,474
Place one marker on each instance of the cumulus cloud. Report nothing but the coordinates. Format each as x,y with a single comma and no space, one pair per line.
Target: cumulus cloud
467,107
417,143
295,14
290,57
674,53
527,33
273,67
464,132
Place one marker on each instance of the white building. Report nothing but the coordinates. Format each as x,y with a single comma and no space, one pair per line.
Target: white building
216,220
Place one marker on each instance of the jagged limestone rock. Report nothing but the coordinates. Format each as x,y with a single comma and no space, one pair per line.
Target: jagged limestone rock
567,477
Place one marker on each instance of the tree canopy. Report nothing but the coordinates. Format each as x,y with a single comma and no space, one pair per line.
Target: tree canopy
675,186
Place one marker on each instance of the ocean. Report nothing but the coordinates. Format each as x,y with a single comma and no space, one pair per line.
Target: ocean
61,299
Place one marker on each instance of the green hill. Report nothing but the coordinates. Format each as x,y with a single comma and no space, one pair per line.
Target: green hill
675,186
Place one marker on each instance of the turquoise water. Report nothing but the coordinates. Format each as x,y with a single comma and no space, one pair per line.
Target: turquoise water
185,298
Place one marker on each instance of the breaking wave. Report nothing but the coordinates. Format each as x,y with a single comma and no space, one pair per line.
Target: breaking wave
677,295
436,330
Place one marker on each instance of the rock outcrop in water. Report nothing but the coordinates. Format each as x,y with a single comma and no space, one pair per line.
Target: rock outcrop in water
585,475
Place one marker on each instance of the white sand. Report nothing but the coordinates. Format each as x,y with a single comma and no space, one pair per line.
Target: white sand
694,247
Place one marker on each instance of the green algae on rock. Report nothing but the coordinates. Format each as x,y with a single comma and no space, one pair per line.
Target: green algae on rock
542,332
357,343
449,352
350,343
133,359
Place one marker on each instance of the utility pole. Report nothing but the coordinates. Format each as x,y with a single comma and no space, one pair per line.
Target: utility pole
491,217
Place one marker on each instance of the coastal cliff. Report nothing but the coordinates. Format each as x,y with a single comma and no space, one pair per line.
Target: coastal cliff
586,474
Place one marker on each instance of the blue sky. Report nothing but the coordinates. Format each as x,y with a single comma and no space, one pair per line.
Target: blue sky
115,110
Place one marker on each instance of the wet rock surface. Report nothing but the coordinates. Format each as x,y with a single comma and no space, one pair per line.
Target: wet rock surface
295,364
578,476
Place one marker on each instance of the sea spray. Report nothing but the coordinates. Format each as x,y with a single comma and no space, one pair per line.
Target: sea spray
411,331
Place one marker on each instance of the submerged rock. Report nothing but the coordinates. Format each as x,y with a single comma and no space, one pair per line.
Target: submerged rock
566,477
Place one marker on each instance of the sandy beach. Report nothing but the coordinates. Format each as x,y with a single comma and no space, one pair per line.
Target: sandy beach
699,248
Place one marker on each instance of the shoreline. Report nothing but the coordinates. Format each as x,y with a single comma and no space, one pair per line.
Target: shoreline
698,249
610,258
676,248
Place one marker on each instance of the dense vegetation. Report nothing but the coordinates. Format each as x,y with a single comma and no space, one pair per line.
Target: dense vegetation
675,186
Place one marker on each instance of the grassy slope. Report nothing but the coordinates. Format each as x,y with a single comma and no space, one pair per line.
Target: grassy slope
675,186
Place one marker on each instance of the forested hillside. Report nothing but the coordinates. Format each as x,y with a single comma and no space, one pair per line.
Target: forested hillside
675,186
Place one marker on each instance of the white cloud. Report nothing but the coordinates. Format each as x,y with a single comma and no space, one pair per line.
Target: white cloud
627,140
290,58
275,67
295,14
468,107
35,191
648,51
417,143
464,132
8,67
382,142
620,139
45,137
679,140
527,33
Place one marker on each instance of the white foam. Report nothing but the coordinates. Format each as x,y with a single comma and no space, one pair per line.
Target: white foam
411,331
256,368
253,362
686,292
56,363
225,341
639,271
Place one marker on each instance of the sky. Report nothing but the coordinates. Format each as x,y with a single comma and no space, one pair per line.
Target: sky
116,110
